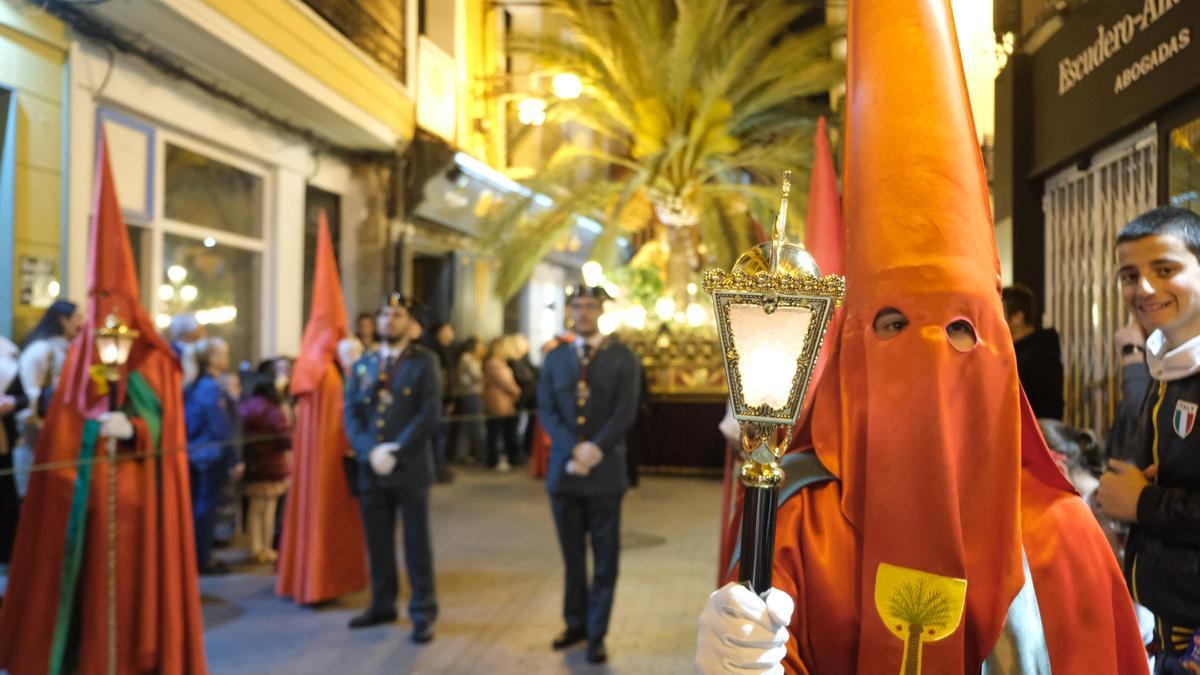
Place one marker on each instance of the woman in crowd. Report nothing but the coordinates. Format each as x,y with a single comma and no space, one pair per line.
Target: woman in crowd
500,395
42,356
526,376
467,385
212,459
45,350
365,331
268,462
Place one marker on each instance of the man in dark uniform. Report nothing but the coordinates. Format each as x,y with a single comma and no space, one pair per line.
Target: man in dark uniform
587,401
392,407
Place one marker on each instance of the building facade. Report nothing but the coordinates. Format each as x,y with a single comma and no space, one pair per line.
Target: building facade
231,126
1097,121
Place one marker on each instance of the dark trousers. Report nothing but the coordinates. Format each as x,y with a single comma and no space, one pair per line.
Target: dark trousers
588,606
10,508
379,505
471,428
207,482
441,436
502,440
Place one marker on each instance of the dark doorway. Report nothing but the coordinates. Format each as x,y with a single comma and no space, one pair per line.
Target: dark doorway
433,285
315,201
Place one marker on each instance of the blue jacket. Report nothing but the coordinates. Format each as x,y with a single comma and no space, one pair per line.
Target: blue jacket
614,381
207,413
406,415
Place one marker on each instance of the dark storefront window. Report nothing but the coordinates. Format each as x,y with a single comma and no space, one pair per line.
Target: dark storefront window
374,26
1183,165
315,201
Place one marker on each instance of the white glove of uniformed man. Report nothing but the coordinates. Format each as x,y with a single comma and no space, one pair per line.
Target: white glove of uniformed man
584,458
116,425
383,458
741,633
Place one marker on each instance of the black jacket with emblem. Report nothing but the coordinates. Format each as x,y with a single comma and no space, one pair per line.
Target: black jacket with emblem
404,411
1162,555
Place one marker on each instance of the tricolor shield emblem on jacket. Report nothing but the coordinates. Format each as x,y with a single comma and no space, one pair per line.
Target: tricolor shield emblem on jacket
1185,418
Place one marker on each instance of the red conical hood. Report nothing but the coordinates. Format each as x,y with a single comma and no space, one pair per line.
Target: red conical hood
926,439
823,228
112,288
327,322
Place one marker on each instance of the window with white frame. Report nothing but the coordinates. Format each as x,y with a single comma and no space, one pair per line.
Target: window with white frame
197,218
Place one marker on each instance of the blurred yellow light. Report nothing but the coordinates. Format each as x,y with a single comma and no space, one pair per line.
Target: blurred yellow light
176,273
188,293
567,85
593,273
635,317
664,308
166,292
531,111
608,323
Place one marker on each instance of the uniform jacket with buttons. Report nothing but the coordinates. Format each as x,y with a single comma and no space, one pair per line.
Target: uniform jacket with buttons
406,415
613,378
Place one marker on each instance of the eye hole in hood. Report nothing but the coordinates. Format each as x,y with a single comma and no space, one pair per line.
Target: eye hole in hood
961,335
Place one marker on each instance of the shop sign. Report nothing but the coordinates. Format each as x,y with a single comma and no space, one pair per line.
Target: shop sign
1112,64
39,282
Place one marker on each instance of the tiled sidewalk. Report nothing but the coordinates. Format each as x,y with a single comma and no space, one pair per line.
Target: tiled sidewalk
499,580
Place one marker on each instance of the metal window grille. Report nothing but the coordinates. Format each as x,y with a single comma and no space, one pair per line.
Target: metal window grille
1084,211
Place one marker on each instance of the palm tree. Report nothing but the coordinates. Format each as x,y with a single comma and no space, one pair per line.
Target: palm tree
701,105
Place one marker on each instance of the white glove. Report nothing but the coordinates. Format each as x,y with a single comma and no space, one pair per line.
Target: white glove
588,454
576,468
116,425
741,633
383,458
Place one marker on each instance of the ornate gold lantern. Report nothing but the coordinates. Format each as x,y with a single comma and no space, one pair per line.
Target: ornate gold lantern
772,312
114,340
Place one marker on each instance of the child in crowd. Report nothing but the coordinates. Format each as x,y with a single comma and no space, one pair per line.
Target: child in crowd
268,462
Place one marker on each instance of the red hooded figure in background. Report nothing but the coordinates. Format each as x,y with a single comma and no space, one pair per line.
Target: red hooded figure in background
935,533
323,550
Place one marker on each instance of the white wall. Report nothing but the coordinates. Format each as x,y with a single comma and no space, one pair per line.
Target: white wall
134,88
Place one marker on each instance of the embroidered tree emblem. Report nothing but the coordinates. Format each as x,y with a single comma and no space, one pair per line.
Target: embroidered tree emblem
918,607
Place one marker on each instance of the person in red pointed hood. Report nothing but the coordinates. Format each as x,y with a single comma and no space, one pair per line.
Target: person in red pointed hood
931,531
322,551
55,616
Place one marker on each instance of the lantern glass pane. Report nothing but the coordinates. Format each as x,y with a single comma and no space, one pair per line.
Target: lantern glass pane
124,345
107,349
769,348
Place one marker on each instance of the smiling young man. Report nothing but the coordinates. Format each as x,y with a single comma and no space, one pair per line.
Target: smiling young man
1158,260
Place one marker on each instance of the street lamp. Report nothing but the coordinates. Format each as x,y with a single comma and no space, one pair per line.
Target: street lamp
772,311
114,340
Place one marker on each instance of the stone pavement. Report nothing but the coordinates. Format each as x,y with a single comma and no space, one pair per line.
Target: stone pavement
499,582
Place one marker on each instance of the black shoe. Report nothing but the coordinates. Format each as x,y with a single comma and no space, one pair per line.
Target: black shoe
215,568
422,633
568,638
597,653
372,618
